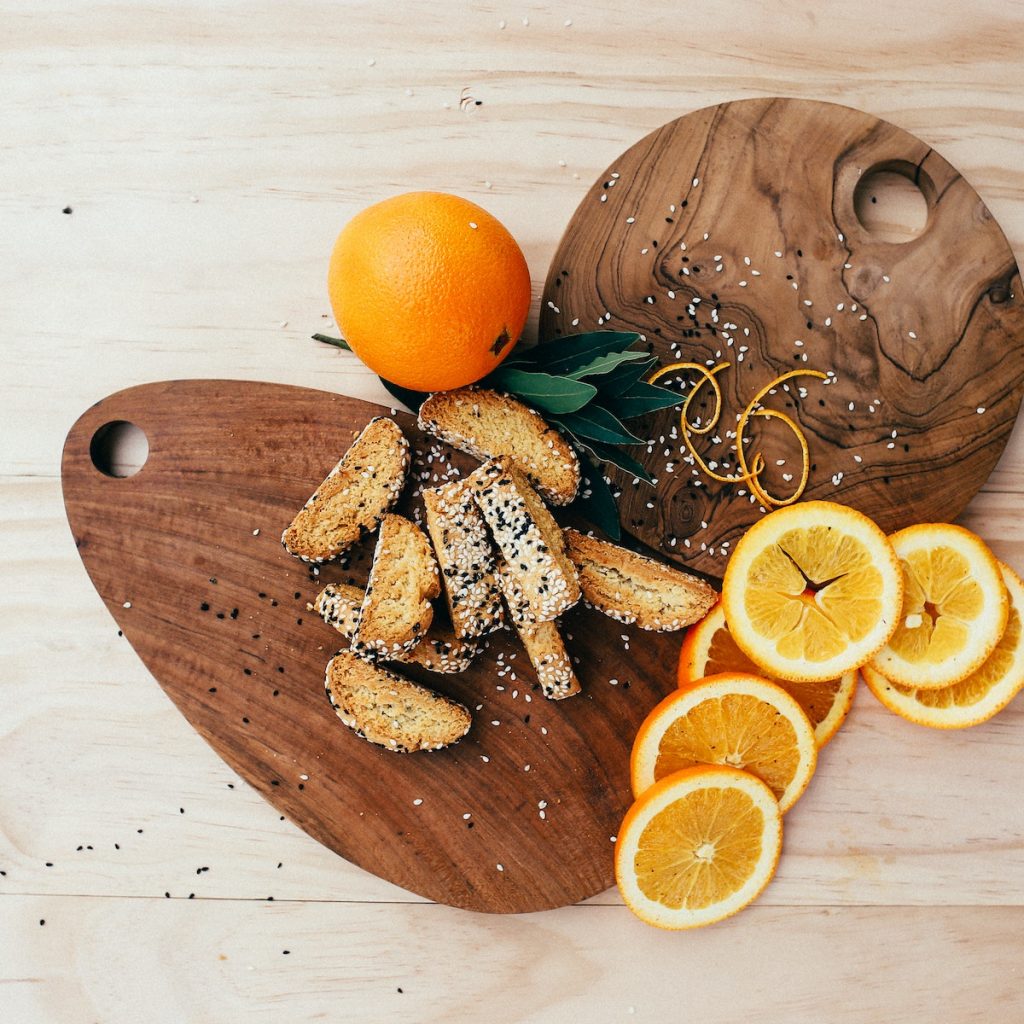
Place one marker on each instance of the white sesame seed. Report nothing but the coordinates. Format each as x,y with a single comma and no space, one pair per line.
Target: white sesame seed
417,801
980,409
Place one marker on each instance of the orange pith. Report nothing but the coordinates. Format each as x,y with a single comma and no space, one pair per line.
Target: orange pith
974,699
812,591
718,731
674,862
732,719
709,649
955,607
697,847
429,289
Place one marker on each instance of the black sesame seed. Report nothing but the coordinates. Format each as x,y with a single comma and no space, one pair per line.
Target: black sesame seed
205,606
67,210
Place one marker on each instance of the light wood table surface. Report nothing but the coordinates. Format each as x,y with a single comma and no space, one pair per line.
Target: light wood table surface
208,153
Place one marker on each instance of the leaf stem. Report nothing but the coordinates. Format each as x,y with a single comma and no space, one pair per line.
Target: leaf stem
336,342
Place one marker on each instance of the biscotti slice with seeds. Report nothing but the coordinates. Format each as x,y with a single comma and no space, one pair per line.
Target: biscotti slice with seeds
387,709
338,605
396,610
440,650
542,642
488,424
466,558
528,538
355,495
632,588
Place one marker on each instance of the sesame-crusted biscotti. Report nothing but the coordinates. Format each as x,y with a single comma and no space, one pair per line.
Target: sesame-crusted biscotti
353,499
528,538
488,424
439,651
396,610
632,588
389,710
541,640
466,559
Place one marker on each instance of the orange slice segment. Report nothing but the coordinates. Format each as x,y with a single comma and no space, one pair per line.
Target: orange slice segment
732,719
975,699
955,607
697,847
710,649
812,591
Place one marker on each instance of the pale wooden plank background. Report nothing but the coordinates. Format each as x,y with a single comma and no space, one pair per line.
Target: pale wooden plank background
210,152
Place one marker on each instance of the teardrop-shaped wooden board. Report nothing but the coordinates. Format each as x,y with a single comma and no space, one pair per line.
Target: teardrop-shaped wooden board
217,611
731,235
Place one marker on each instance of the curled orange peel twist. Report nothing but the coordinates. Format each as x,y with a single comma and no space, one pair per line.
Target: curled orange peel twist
688,428
748,474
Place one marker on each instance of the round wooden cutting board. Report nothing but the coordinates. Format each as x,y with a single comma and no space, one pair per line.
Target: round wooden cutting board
731,235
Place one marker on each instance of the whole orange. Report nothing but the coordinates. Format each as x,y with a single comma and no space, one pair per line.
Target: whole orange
429,289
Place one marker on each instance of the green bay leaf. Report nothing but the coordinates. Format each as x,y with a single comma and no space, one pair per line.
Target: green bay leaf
622,378
597,424
641,398
605,364
599,506
556,395
564,355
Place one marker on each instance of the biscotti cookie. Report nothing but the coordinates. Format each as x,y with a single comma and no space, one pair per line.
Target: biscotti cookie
439,651
396,610
632,588
488,424
396,713
466,559
528,538
355,495
541,640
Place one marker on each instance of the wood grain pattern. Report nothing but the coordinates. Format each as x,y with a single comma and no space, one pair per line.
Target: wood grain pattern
212,961
730,235
186,555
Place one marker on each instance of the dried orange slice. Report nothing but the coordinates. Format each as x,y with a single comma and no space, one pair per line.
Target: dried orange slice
984,693
697,847
812,591
955,607
709,649
732,719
